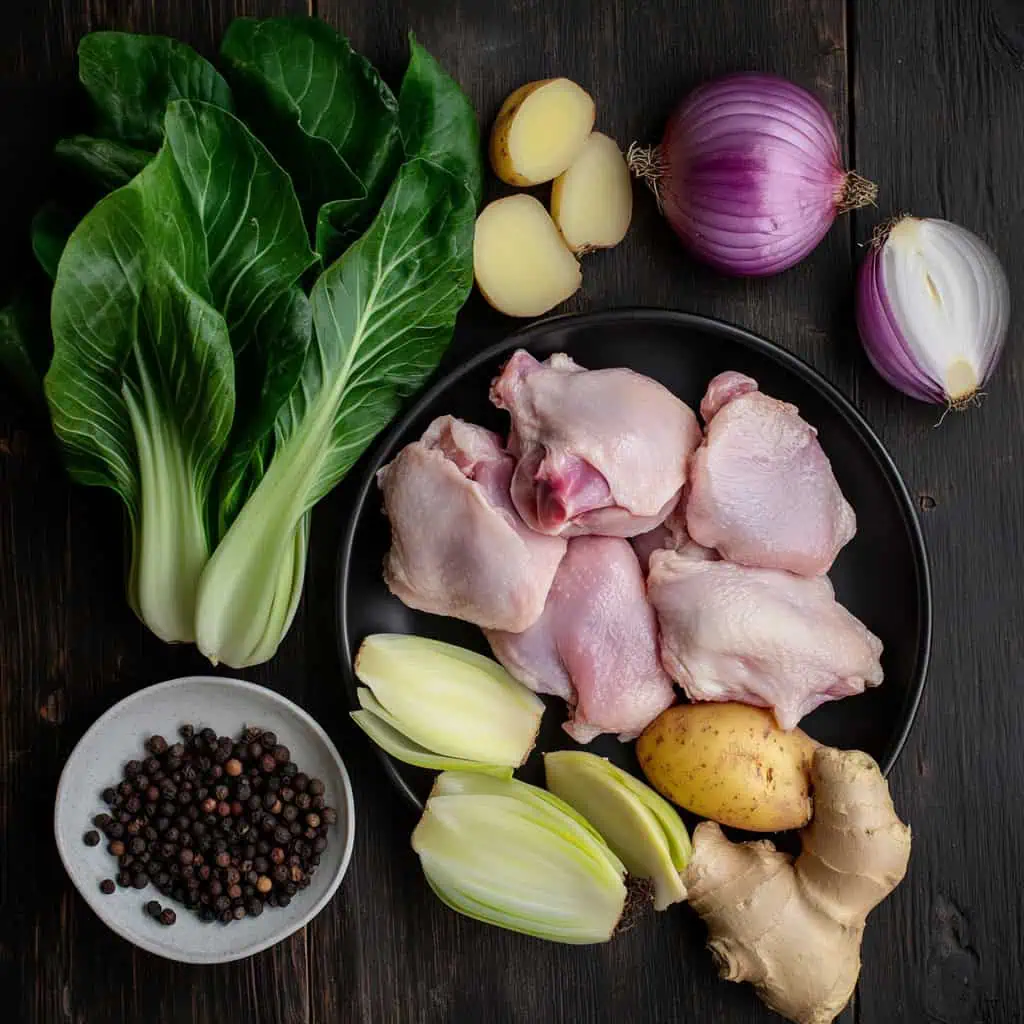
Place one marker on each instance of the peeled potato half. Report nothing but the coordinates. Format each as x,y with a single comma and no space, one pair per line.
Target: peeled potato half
521,264
592,201
539,131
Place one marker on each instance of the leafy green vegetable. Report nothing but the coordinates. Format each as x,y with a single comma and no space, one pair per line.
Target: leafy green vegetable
257,250
106,162
51,228
382,316
141,386
131,79
438,122
24,345
266,372
160,284
323,111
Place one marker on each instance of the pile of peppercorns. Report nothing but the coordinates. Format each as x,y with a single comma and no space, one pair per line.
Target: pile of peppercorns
225,827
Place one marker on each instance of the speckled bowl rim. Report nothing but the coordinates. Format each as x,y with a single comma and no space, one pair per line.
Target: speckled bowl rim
185,956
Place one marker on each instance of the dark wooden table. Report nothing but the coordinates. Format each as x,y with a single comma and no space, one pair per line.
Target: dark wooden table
929,100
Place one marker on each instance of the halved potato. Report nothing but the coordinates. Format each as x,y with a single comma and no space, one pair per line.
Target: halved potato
592,201
521,264
539,131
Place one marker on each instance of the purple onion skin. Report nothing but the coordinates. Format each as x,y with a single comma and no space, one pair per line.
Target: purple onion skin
881,337
752,176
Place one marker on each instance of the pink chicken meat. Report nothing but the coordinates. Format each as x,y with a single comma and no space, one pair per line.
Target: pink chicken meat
458,547
595,645
759,636
599,451
761,490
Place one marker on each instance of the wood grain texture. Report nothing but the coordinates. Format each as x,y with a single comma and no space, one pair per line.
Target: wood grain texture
929,97
949,81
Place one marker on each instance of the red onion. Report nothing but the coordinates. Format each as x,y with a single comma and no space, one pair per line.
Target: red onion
933,307
748,173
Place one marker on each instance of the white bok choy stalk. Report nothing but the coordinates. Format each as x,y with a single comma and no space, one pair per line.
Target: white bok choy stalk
439,706
510,854
382,316
639,825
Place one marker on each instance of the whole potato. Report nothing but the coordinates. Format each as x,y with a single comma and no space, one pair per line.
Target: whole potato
730,763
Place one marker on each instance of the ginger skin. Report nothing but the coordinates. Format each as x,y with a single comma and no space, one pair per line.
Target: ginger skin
793,929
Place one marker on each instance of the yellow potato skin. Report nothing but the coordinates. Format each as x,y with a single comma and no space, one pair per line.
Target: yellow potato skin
499,148
730,763
501,159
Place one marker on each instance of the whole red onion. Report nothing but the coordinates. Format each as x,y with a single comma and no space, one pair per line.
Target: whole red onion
748,173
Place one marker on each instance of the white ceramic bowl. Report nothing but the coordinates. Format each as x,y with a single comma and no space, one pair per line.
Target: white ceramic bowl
118,736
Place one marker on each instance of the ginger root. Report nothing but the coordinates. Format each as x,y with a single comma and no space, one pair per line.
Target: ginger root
794,929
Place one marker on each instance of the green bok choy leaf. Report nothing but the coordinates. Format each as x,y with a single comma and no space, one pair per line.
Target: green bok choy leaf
158,287
382,316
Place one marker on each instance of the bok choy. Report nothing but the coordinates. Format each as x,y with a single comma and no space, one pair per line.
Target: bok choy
382,316
209,366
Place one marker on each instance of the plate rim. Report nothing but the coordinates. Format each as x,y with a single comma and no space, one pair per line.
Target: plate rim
529,335
185,956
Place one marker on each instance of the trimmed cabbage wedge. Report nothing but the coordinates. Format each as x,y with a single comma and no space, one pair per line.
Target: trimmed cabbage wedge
641,827
510,854
439,706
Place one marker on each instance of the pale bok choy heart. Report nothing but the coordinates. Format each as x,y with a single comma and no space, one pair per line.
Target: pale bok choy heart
157,286
382,316
512,855
641,827
443,707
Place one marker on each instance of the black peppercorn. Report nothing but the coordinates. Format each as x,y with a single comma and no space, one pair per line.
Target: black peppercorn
317,803
168,917
91,838
316,787
109,795
137,845
107,886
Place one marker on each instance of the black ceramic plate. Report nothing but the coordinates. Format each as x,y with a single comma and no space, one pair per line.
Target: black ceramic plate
881,576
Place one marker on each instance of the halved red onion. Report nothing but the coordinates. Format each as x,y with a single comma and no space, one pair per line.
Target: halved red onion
933,308
748,173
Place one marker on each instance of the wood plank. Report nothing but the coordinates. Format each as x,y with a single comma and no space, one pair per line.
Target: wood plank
69,647
938,104
387,950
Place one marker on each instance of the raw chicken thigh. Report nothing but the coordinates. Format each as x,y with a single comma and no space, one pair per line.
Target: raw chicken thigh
595,645
600,451
761,490
458,547
760,636
671,536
